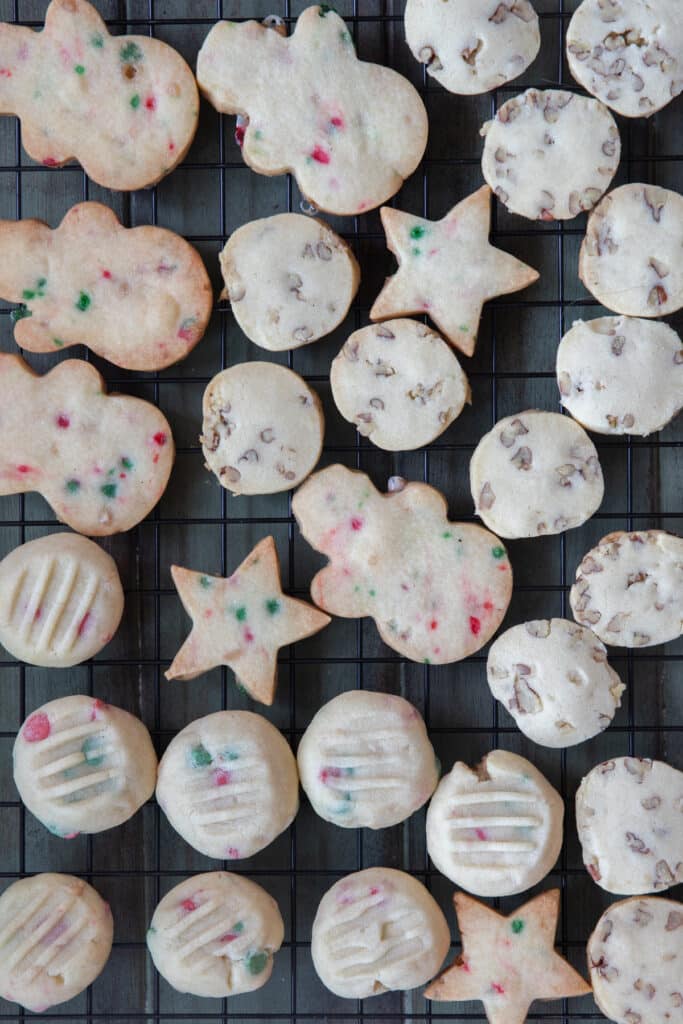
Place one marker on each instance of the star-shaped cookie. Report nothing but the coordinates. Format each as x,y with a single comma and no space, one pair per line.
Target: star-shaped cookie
241,621
507,962
448,268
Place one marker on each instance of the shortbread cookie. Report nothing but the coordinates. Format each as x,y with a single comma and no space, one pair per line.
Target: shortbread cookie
621,375
375,931
550,155
628,53
81,765
507,962
349,131
629,588
365,760
290,280
125,107
101,461
399,383
535,473
553,678
56,934
263,428
241,621
139,297
496,829
473,46
630,258
214,935
437,590
228,784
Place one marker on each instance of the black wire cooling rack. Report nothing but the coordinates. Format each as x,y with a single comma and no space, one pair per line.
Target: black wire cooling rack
199,525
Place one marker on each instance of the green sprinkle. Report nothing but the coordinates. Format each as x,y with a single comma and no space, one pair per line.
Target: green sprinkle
130,53
258,134
372,593
97,41
20,314
324,9
108,490
345,37
127,463
73,486
28,294
58,343
426,661
272,606
135,101
241,613
418,231
205,582
464,327
517,925
498,552
416,252
348,771
256,962
447,535
111,471
238,928
40,285
229,755
200,756
91,745
79,69
83,302
151,930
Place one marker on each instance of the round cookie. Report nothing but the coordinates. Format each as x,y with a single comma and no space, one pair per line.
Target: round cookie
375,931
535,473
399,383
621,375
214,935
550,155
262,430
473,46
290,280
629,588
365,760
634,961
553,678
630,258
81,765
497,829
228,784
629,816
56,934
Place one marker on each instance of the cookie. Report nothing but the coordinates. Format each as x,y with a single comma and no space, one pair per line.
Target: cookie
56,934
437,590
139,297
101,461
629,588
550,155
313,109
629,259
81,765
241,621
628,53
629,816
290,280
365,760
228,784
448,269
375,931
507,962
125,107
470,46
399,384
496,829
214,935
535,473
620,375
263,428
553,678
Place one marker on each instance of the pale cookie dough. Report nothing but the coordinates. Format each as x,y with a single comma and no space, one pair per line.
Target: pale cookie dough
290,280
399,383
550,155
375,931
535,473
437,590
125,107
214,935
496,829
365,760
553,678
101,461
81,765
262,430
56,934
349,131
61,600
228,784
630,258
473,46
620,375
634,960
629,588
629,816
628,53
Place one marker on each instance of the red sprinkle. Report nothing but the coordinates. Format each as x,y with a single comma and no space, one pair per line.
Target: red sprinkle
83,623
171,147
465,966
498,988
228,937
374,891
233,852
106,274
321,155
23,469
50,161
150,103
329,773
481,834
356,523
337,121
433,624
63,421
220,777
37,728
160,439
239,134
5,72
248,635
188,905
488,606
73,835
475,625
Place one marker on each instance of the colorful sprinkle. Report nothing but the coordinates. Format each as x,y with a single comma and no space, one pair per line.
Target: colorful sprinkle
256,962
337,122
20,314
230,936
160,439
248,635
239,134
200,756
108,490
83,302
92,751
498,552
79,69
73,486
127,463
241,613
37,728
233,853
481,834
185,331
356,523
205,582
82,625
63,421
135,101
130,53
57,342
220,777
498,988
475,625
24,468
324,9
320,155
447,535
418,231
150,103
517,925
189,905
433,624
50,161
97,41
272,606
